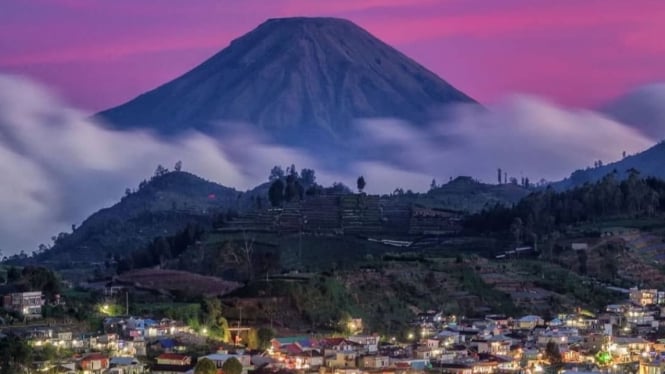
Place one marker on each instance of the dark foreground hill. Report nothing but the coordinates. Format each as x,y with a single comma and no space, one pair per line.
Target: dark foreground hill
160,207
301,80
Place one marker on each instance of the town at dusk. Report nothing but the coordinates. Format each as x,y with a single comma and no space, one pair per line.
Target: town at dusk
332,187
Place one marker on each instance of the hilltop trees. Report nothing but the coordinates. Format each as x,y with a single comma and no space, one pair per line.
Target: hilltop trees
287,187
276,173
307,178
360,183
276,193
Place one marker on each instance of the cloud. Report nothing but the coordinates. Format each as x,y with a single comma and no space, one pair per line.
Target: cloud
524,135
642,108
58,166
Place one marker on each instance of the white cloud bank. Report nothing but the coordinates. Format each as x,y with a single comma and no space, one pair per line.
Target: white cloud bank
58,167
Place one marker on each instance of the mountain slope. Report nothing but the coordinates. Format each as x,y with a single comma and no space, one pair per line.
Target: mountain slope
163,206
298,79
649,163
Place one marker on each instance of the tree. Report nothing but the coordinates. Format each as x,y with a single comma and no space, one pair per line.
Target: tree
276,173
205,366
552,354
432,185
291,189
252,339
13,274
160,171
360,183
247,251
265,336
308,177
178,166
276,193
498,171
232,366
516,229
292,171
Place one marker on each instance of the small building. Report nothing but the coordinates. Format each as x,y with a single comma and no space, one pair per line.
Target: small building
125,365
341,359
529,322
643,297
172,363
375,362
28,304
369,343
94,363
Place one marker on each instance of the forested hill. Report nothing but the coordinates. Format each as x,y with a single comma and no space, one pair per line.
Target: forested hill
162,206
649,163
545,212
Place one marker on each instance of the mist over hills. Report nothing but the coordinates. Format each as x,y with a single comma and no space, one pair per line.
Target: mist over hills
302,81
641,108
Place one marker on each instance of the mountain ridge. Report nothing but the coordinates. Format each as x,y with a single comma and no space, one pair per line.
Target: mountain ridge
648,163
302,78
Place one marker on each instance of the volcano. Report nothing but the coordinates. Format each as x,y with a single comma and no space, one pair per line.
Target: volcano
296,79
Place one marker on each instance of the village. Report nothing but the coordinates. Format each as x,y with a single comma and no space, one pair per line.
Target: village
626,338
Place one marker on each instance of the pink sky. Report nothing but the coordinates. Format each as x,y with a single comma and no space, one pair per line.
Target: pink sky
100,53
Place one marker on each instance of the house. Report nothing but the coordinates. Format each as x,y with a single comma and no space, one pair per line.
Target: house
125,365
499,320
448,337
341,359
529,322
28,304
484,367
339,345
278,343
628,348
454,368
643,297
426,353
496,345
93,363
369,343
310,359
172,363
375,362
220,358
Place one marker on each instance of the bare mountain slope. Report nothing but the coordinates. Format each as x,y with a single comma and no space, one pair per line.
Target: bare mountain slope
298,79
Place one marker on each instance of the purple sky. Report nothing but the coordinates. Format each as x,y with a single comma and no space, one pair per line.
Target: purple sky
100,53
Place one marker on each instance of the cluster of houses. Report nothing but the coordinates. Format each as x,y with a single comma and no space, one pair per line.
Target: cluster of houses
625,337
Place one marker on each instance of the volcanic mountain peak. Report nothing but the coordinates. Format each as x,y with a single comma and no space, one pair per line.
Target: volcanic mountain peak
308,77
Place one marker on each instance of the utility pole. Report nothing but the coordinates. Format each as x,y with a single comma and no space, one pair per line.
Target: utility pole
127,302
